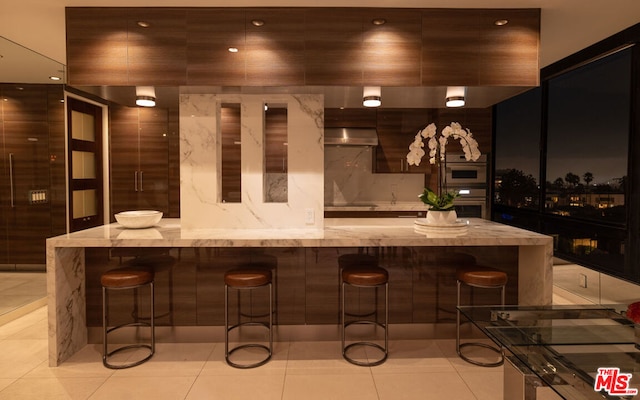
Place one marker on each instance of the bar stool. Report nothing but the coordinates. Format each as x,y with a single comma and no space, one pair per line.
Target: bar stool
485,278
123,279
365,277
359,260
247,279
162,264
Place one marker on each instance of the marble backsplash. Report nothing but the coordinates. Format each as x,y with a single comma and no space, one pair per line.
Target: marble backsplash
349,179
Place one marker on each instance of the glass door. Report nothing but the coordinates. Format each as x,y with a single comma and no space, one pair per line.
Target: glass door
85,164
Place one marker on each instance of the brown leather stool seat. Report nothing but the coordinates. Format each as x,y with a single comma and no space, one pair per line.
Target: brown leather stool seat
477,276
124,279
365,277
482,276
247,279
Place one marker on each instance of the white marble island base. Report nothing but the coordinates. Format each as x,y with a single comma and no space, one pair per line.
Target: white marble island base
66,272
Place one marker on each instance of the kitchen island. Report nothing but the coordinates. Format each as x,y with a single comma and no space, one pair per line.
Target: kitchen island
407,254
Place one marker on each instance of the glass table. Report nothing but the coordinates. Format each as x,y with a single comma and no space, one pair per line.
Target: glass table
570,349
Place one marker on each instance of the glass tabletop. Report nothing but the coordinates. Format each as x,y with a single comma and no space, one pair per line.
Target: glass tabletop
565,346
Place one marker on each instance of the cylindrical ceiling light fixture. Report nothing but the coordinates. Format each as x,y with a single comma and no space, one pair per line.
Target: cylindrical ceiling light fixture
371,96
455,96
145,96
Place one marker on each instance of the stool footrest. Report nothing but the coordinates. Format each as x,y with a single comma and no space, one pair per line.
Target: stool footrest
245,346
131,364
365,363
480,363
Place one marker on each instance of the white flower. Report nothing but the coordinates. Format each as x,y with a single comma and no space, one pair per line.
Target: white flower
438,143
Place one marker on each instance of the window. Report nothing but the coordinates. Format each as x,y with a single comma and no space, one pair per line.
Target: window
517,151
587,140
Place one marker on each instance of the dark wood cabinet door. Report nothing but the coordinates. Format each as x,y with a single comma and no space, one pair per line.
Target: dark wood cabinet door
391,52
396,131
157,54
124,158
465,47
96,46
333,47
153,177
509,52
25,220
275,50
139,159
210,33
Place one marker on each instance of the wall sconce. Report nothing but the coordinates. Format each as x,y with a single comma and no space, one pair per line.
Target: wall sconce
371,96
455,96
145,96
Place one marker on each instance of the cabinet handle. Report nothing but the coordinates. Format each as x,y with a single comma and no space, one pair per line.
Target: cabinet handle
141,181
135,181
13,204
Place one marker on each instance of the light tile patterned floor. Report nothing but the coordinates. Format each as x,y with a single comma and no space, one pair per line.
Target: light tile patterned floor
416,369
425,369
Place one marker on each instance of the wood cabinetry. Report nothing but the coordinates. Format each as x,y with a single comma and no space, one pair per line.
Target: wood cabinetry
302,46
32,172
139,159
210,33
397,129
110,46
391,52
465,47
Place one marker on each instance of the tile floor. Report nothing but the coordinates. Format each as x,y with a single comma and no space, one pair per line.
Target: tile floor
424,370
416,369
18,289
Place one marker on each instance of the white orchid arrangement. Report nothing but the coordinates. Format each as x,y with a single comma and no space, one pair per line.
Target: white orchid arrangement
437,143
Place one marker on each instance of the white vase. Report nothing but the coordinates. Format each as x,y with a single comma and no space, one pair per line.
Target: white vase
441,218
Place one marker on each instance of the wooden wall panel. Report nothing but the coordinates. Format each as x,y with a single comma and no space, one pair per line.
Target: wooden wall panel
302,46
97,46
123,123
350,117
391,52
210,33
32,130
275,52
464,47
449,47
510,52
333,43
157,55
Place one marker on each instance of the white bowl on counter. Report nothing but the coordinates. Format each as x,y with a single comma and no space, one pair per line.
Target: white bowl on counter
138,219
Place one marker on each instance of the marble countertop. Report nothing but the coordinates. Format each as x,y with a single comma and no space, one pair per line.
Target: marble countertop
337,232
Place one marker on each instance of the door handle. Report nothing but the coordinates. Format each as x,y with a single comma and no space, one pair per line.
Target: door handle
141,181
135,181
13,204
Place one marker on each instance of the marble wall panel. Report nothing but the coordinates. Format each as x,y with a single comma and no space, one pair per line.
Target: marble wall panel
201,154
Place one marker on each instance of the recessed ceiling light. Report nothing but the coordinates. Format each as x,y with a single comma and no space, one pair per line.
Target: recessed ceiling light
379,21
501,22
257,22
233,49
55,78
143,24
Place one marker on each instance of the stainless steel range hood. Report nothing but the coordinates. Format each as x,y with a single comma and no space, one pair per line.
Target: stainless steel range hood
350,137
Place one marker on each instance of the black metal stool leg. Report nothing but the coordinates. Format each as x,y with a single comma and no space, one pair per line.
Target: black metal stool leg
460,346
